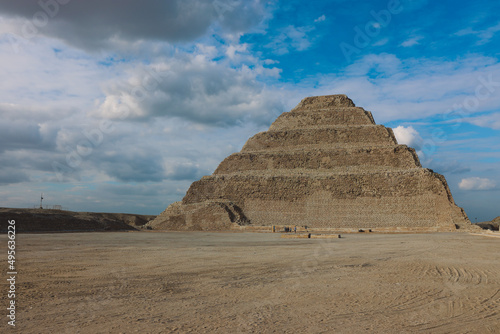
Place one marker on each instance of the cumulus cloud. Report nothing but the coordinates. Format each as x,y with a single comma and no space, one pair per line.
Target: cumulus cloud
292,38
476,183
491,121
130,165
484,35
321,18
18,135
425,150
194,88
12,175
412,41
102,24
184,171
408,136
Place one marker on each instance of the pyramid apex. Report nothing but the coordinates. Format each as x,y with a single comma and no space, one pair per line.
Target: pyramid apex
324,102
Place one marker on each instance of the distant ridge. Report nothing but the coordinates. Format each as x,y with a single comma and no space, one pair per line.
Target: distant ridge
38,220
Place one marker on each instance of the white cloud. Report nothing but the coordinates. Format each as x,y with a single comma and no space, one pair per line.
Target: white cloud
321,18
386,64
491,121
412,41
476,183
232,50
381,42
484,35
292,38
194,88
156,20
408,136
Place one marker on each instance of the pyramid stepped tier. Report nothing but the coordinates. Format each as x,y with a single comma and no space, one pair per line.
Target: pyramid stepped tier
315,138
322,160
413,198
323,117
297,187
325,165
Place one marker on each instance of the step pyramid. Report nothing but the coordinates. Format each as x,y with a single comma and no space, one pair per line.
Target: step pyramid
325,165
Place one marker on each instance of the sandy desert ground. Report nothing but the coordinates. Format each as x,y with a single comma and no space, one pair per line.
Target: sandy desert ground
159,282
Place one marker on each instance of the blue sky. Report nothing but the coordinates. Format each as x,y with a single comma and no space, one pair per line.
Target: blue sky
119,105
